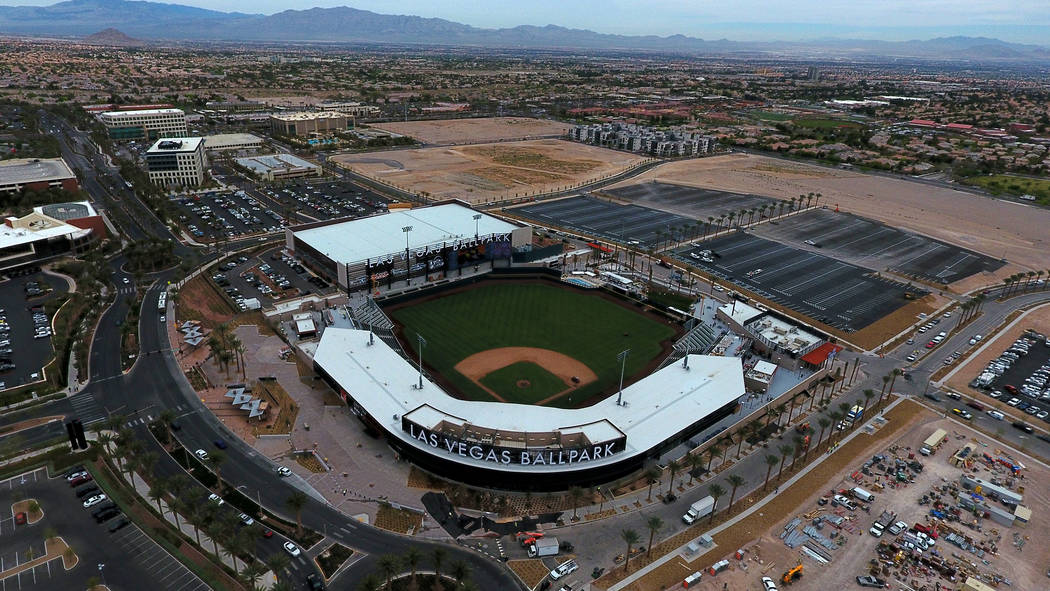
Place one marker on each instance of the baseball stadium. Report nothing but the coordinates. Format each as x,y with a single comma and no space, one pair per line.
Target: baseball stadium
514,379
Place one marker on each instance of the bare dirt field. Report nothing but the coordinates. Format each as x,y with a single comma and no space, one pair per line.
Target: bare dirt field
765,554
488,172
476,131
997,228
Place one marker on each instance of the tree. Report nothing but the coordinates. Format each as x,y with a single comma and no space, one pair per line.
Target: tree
807,432
652,475
711,453
389,565
654,524
251,572
868,395
437,556
695,461
785,451
215,460
717,492
460,572
893,378
296,501
672,467
836,417
771,460
371,582
411,558
575,494
630,537
277,562
735,481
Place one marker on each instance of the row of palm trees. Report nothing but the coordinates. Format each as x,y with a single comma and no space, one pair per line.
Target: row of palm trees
701,228
390,567
1012,285
226,347
970,308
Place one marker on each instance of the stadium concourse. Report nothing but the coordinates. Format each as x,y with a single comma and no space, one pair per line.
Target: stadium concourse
515,446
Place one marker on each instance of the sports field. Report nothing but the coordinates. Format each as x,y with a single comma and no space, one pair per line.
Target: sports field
531,342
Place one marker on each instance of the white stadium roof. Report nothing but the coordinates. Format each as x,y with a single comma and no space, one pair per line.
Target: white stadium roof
380,235
658,406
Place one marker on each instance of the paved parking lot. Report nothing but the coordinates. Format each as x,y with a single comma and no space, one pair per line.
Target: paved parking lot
131,560
216,215
623,223
22,314
1019,371
878,246
692,202
317,200
842,295
261,277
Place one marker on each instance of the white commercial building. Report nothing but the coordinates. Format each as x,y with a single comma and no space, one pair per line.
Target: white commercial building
145,124
232,141
275,167
177,161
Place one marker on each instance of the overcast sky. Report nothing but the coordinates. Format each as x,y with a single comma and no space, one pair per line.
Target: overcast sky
1015,20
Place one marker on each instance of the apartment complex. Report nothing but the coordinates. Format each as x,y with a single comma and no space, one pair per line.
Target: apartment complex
145,124
640,138
36,174
306,123
177,161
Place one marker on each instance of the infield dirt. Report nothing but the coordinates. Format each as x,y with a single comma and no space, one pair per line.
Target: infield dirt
479,365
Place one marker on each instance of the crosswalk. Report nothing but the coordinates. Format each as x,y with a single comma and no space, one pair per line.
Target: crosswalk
87,408
126,290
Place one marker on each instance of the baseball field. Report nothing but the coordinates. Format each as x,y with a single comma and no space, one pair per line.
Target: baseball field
532,342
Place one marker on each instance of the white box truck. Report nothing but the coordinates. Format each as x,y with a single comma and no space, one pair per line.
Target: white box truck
543,547
699,509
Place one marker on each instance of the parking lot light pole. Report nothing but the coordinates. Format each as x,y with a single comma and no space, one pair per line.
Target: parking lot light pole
408,262
622,356
477,226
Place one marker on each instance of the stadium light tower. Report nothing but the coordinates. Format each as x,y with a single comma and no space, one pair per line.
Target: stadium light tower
622,356
422,343
477,226
408,262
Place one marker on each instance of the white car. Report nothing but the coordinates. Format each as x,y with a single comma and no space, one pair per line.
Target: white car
92,501
76,475
201,455
563,569
292,549
246,519
768,584
996,415
216,499
163,318
898,527
283,471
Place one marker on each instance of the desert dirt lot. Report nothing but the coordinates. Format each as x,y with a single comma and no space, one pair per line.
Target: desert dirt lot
488,172
476,131
990,226
767,555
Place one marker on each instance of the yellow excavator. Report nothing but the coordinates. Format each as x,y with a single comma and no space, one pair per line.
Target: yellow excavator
792,575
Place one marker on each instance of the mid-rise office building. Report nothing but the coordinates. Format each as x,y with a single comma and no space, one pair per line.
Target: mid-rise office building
145,124
309,122
36,174
177,161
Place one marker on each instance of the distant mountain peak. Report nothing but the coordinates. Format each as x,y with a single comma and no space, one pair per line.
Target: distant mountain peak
111,36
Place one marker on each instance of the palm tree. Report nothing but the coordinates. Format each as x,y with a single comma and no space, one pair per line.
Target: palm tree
695,462
711,453
251,572
771,460
575,494
785,451
836,417
885,382
437,556
389,565
824,423
743,434
104,438
772,413
652,475
868,395
807,432
893,378
654,524
735,481
277,562
371,582
673,467
631,538
717,492
460,572
296,501
412,557
166,417
215,460
157,490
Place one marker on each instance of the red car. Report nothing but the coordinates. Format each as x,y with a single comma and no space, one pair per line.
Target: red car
267,533
20,518
931,345
80,480
1010,388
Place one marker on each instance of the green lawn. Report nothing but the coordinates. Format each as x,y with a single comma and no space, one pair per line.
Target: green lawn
997,184
542,383
825,123
583,326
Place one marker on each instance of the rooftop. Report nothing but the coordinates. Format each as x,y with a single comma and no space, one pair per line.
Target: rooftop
274,162
664,403
141,112
220,140
308,115
33,227
33,170
170,145
67,211
381,235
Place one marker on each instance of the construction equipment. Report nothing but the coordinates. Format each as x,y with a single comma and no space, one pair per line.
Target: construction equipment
792,575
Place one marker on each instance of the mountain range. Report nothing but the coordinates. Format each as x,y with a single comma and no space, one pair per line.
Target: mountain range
161,22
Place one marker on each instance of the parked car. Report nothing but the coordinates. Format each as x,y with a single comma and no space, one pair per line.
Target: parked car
874,582
201,455
91,502
291,548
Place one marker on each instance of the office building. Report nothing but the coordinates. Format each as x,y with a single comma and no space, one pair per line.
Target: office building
177,162
145,124
36,174
309,123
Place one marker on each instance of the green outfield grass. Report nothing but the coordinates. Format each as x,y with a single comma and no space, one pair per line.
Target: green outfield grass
542,383
585,327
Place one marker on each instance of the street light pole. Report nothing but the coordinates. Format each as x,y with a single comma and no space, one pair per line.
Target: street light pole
477,226
422,343
622,356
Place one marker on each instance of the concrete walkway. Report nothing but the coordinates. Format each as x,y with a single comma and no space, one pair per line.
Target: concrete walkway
750,510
